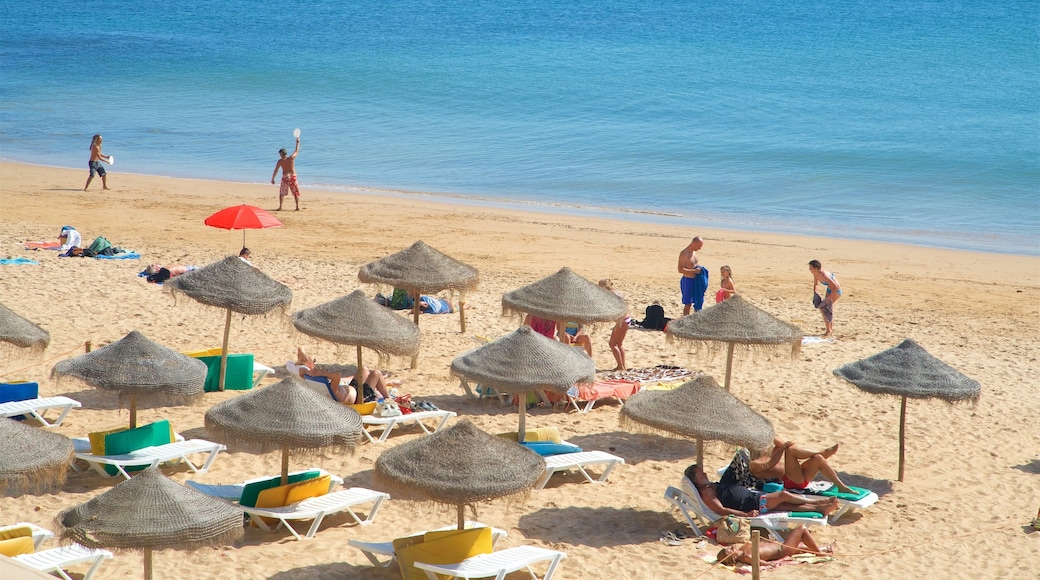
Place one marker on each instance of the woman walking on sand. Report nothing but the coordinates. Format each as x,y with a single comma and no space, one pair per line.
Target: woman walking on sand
96,157
617,335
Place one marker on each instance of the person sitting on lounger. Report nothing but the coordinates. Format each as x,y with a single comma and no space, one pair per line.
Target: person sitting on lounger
373,383
548,329
769,550
744,502
799,465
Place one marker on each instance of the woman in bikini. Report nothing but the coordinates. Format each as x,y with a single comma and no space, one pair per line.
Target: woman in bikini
727,288
799,465
769,550
370,381
620,330
821,276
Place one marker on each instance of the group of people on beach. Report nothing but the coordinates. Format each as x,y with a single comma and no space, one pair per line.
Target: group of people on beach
694,284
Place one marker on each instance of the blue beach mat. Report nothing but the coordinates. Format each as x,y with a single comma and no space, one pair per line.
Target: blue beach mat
18,261
121,256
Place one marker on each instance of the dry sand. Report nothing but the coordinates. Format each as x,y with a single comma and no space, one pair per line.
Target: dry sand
973,473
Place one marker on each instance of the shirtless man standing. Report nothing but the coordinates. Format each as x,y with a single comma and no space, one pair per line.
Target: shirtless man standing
694,281
96,157
287,164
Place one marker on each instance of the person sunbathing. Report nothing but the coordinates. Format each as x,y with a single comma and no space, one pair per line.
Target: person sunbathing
799,465
744,502
769,550
373,383
159,273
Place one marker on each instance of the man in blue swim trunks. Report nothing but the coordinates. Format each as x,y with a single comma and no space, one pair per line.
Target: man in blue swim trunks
694,281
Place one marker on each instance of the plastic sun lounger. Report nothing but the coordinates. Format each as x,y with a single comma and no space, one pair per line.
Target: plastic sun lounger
373,550
388,423
316,508
693,508
233,492
497,564
38,534
579,461
153,456
620,390
259,372
56,560
38,408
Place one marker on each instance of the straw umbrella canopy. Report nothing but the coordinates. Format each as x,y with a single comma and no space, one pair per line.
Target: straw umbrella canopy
357,320
151,512
909,371
420,269
32,460
459,466
134,365
701,410
565,297
524,361
235,286
20,332
736,321
285,416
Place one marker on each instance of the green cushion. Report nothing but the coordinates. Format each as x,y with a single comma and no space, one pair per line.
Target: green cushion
252,490
814,515
859,494
150,435
239,374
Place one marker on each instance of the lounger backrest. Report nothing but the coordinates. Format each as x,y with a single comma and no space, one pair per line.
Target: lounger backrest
11,392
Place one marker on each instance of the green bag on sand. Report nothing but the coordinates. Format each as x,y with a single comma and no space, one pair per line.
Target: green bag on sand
100,244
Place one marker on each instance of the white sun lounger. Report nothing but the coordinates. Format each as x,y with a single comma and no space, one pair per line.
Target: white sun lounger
153,456
38,534
233,491
373,550
316,508
579,461
693,508
497,564
56,560
388,423
39,407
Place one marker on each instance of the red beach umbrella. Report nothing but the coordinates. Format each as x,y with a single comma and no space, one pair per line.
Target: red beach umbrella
242,217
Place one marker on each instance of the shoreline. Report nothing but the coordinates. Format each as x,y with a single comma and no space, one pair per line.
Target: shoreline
933,240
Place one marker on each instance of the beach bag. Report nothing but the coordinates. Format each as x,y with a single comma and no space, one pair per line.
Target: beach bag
732,530
400,300
654,318
387,408
99,245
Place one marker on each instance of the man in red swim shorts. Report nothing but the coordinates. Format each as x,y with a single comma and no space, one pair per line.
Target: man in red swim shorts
287,164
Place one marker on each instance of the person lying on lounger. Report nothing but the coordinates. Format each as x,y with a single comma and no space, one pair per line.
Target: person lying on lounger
373,383
799,465
744,502
769,550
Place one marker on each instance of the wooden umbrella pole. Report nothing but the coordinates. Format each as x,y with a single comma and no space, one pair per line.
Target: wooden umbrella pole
729,363
700,452
462,316
360,369
754,555
223,351
522,405
415,309
285,465
902,436
147,564
133,411
462,517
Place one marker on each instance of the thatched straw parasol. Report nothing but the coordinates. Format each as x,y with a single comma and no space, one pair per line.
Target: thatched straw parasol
459,466
906,371
356,319
524,361
421,269
565,297
235,286
736,321
702,410
32,460
134,365
150,512
20,332
285,416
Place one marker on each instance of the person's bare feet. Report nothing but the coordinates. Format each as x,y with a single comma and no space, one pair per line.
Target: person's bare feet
828,452
109,188
829,507
844,488
830,548
395,383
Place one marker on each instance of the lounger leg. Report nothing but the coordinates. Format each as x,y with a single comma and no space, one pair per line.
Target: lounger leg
364,431
371,513
606,472
545,478
314,526
94,567
387,429
444,420
555,563
209,461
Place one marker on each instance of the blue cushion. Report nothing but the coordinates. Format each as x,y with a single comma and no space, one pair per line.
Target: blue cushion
10,392
545,448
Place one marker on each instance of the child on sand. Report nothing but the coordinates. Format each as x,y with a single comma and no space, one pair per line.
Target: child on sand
727,289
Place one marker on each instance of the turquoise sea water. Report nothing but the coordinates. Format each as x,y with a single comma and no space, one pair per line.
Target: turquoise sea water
905,121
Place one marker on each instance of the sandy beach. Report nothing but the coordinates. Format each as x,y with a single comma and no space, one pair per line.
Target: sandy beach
972,481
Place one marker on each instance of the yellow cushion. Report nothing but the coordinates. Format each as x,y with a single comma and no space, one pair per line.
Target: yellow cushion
284,495
364,408
447,547
202,353
16,546
19,532
534,435
97,439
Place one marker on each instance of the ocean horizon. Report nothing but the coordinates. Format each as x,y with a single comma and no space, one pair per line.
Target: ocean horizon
908,122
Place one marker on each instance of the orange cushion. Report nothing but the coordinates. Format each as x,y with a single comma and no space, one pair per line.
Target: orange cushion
16,546
17,532
284,495
444,547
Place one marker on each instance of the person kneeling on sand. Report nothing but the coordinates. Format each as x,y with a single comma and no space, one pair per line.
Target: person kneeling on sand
799,467
769,550
741,501
373,383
